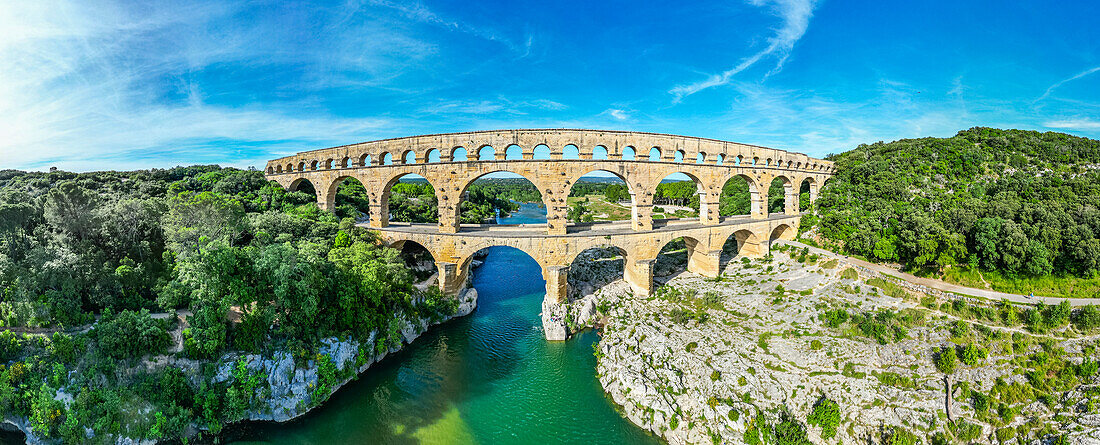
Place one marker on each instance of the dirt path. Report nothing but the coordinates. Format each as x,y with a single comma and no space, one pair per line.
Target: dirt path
941,285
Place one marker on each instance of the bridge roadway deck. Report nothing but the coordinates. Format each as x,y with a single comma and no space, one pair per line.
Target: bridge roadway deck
601,228
555,253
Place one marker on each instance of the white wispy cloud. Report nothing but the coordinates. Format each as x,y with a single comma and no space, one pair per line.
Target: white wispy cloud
617,113
107,86
1059,83
795,16
421,13
1073,124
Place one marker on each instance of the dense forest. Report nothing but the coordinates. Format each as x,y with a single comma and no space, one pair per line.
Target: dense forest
1017,205
87,260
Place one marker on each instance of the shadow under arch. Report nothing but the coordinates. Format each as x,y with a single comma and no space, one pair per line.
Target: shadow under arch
672,259
501,172
782,232
743,243
595,267
419,260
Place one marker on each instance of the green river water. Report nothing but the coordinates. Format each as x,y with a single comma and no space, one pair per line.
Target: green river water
487,378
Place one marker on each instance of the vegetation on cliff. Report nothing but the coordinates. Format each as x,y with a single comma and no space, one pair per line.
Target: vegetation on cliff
257,268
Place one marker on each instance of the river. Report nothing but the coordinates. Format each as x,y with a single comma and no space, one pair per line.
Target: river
487,378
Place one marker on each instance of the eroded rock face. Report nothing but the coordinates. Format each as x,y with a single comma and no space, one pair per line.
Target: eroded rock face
763,347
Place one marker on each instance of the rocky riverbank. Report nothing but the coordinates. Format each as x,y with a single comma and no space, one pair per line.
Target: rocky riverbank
283,387
806,347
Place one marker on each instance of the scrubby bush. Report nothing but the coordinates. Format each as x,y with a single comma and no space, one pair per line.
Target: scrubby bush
826,414
945,360
972,355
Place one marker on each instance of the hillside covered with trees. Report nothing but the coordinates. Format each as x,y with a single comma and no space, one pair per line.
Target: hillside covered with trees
1019,210
87,260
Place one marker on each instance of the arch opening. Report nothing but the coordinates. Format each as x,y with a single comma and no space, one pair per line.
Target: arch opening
599,152
628,154
433,155
410,198
409,157
672,260
350,198
737,197
460,154
501,197
778,192
655,154
570,152
364,160
303,185
701,158
782,232
678,156
519,263
420,261
513,152
599,195
541,152
718,160
593,268
806,194
387,159
738,248
487,153
676,196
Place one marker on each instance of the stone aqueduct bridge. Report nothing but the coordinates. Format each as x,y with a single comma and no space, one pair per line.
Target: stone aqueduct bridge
451,162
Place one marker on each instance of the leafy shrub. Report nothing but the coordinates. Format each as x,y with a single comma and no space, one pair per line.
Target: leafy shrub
1087,318
816,344
972,355
826,414
130,334
945,360
835,318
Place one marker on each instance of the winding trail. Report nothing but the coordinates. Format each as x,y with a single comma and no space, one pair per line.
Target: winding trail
941,285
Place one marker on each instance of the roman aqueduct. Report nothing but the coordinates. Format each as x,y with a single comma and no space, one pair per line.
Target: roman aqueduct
553,160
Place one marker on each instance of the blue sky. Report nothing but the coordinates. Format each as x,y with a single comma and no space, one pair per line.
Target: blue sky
122,85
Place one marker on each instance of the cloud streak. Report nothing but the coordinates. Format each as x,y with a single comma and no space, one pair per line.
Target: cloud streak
1059,83
795,16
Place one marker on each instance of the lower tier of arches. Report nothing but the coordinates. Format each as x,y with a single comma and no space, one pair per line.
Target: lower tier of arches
453,252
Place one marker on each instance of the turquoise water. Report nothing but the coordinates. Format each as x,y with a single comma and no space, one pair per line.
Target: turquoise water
486,378
528,213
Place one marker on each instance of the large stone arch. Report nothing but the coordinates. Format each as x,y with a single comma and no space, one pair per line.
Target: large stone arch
383,197
450,204
790,192
758,206
327,196
297,183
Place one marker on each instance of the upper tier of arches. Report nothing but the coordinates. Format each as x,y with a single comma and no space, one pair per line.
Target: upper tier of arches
557,144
